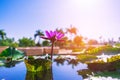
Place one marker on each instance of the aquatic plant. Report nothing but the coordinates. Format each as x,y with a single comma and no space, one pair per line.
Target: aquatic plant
53,36
112,74
13,53
111,64
36,65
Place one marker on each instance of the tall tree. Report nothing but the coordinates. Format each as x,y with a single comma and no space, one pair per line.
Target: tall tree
25,42
45,43
2,34
8,42
72,30
78,40
60,30
38,33
92,42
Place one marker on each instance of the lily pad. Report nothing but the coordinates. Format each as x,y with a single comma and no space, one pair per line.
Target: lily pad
13,53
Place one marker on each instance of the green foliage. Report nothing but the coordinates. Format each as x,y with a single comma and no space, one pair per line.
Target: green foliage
113,74
31,57
25,42
114,62
14,44
12,52
113,58
117,44
83,57
8,42
6,53
35,65
41,75
38,33
2,34
97,61
105,49
111,49
4,43
45,43
95,50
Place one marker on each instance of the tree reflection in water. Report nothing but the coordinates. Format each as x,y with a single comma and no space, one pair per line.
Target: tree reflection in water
85,73
59,61
73,62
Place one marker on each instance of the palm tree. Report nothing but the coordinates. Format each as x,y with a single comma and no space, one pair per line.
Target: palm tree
60,30
78,40
38,33
72,30
2,34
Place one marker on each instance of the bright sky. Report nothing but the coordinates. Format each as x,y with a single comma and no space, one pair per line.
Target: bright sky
93,18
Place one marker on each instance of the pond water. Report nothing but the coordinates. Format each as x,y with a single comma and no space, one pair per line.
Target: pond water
64,71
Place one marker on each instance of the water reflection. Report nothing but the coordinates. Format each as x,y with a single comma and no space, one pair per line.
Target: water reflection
42,75
85,73
73,62
59,61
62,69
66,69
10,64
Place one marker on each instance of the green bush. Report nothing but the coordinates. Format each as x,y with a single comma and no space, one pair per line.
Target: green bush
25,42
95,51
113,58
117,44
86,57
14,44
103,49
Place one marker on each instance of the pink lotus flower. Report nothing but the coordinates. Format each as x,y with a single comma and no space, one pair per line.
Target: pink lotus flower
53,36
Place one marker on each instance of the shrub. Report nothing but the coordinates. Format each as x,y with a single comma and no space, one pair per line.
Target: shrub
83,57
103,49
